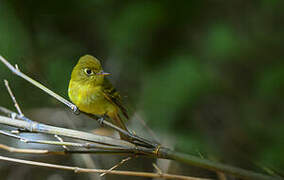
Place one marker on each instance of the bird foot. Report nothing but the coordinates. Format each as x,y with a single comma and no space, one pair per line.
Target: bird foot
101,120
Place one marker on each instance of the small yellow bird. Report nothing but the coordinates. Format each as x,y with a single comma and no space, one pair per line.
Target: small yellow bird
92,93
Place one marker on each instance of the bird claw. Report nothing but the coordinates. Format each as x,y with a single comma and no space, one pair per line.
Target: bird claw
101,120
75,110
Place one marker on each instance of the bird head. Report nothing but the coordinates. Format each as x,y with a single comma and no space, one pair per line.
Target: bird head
88,70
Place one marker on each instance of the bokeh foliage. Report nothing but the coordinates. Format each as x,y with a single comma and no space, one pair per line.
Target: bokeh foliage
210,74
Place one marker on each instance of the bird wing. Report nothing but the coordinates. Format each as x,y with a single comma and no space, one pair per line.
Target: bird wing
113,96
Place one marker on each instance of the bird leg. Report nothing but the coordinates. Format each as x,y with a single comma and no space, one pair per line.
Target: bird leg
101,120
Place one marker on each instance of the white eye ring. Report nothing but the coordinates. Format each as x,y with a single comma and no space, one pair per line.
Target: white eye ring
88,71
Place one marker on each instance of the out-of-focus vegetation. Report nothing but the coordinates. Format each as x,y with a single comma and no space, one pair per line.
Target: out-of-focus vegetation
207,74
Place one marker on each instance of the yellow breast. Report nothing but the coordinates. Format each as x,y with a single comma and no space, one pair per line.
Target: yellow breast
88,98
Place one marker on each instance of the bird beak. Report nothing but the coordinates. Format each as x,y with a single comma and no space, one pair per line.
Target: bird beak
103,73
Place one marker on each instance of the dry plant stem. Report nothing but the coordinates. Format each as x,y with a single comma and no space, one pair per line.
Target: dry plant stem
214,166
93,148
9,112
161,153
133,150
61,140
37,84
59,143
45,151
42,128
136,139
119,146
27,151
117,165
159,171
33,151
15,115
13,98
85,170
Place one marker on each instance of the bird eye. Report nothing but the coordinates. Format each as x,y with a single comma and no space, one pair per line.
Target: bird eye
88,71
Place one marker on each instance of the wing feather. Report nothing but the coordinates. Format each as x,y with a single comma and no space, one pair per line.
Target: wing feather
113,96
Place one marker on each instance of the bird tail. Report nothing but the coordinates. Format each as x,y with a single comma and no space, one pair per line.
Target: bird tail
119,122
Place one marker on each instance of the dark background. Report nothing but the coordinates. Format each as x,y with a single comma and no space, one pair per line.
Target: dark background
206,76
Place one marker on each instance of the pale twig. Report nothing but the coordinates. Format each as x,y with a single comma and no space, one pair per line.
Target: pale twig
14,115
161,152
61,140
27,140
117,165
43,128
39,85
26,151
132,137
83,152
159,171
85,170
60,143
97,140
13,98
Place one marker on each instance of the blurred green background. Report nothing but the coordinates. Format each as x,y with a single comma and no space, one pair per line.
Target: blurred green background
206,76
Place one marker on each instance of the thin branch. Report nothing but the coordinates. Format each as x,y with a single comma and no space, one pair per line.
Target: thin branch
59,143
42,128
161,152
159,171
72,144
26,151
61,140
117,165
9,112
85,170
13,98
104,142
45,151
214,166
172,155
133,138
39,85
